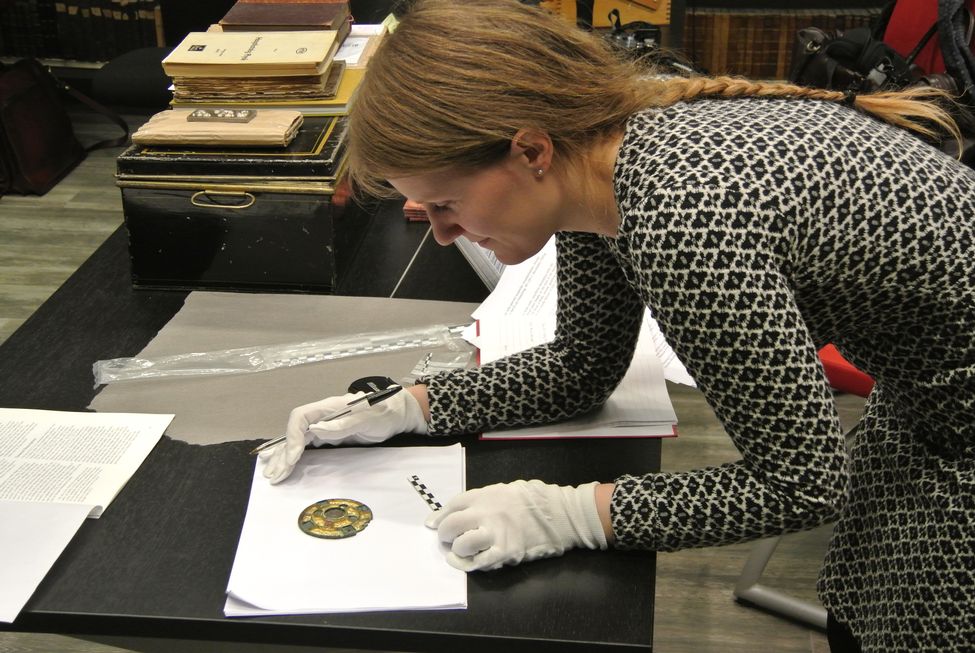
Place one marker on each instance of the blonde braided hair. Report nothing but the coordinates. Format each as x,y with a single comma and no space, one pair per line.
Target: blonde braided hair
916,109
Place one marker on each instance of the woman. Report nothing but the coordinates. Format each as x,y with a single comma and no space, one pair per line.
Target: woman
759,221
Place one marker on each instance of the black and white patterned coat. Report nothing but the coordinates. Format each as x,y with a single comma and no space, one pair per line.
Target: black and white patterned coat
758,230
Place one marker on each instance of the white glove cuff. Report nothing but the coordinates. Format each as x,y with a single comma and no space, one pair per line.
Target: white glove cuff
580,503
414,421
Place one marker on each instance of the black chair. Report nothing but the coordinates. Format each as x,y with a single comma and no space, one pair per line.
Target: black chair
134,80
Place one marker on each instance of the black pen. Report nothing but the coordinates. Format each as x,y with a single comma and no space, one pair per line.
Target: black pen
371,399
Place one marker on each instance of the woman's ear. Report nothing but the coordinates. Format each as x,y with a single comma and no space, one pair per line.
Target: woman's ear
534,149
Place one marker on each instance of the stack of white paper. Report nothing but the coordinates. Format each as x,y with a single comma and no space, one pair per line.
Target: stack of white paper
395,563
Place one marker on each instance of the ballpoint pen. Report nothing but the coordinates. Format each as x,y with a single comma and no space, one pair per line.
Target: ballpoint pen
371,399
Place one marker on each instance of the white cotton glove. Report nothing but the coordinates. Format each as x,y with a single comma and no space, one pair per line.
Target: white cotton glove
507,523
366,424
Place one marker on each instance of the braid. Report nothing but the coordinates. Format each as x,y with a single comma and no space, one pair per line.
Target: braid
918,109
690,88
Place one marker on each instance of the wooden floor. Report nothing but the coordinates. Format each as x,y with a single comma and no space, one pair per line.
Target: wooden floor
44,239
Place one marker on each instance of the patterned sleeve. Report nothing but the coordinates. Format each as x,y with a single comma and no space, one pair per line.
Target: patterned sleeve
715,261
572,374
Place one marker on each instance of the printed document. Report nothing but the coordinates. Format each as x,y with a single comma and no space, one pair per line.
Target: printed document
51,456
56,469
394,563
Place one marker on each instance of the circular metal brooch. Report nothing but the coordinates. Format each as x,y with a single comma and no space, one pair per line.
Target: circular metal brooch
334,518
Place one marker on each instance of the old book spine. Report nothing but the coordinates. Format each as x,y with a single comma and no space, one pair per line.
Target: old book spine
786,43
102,52
73,29
719,44
157,17
703,38
88,44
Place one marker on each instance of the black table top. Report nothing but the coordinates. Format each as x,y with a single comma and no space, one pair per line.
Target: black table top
157,562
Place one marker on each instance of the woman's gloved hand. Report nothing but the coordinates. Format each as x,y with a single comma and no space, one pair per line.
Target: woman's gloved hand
508,523
400,413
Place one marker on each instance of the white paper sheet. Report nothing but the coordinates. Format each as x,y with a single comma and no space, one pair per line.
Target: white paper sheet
34,535
502,336
395,563
351,49
528,288
367,29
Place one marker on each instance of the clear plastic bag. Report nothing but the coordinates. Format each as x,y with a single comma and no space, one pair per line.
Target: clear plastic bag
436,363
261,358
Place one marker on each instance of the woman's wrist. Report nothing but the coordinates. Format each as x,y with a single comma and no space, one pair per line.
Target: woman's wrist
604,496
419,393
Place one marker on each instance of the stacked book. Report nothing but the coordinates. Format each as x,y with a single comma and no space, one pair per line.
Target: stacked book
242,66
287,15
269,54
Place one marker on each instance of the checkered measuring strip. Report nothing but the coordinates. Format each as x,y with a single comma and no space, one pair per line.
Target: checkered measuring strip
424,493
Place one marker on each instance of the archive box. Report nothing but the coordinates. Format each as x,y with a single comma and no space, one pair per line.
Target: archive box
256,219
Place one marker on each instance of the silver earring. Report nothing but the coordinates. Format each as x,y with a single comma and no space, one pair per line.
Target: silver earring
540,172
